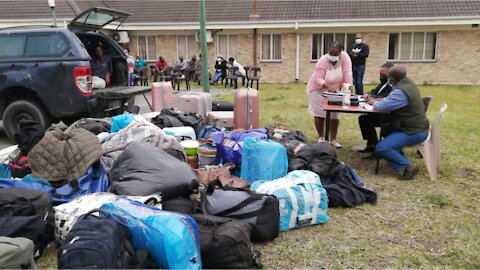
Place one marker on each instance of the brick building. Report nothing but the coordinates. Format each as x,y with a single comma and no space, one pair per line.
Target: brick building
437,40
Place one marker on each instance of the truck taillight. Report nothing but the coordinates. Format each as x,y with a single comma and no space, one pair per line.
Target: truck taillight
82,78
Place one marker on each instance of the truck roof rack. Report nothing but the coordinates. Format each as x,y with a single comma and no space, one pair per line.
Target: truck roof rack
28,26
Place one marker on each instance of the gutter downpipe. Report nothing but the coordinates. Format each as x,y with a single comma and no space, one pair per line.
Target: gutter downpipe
297,54
254,47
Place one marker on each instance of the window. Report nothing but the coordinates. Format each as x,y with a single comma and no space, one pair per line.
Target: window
186,46
417,46
45,45
12,46
146,47
271,47
321,42
227,46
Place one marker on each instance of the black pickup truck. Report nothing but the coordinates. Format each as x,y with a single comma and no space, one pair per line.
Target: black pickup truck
45,72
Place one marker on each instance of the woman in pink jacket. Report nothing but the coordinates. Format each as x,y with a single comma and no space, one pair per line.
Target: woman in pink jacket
331,71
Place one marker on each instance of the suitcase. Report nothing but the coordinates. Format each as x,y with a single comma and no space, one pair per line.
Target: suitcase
181,132
162,96
222,119
246,109
195,102
222,106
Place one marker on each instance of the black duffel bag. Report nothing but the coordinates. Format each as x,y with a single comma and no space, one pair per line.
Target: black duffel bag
225,243
261,211
222,106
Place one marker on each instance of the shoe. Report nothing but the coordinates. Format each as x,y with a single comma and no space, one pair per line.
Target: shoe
335,144
368,149
371,156
358,148
321,139
409,174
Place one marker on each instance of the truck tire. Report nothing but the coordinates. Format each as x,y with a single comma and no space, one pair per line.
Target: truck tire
23,109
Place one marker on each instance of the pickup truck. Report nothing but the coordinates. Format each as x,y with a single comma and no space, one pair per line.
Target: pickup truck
45,72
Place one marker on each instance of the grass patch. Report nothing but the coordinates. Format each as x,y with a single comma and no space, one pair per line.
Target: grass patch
416,224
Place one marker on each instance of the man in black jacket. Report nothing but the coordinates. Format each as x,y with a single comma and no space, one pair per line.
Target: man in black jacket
368,122
358,53
220,70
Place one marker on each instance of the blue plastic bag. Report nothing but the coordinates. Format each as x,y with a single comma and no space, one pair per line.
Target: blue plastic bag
95,180
230,144
5,171
171,238
121,121
263,160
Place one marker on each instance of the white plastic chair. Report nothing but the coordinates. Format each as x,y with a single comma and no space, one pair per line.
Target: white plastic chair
430,148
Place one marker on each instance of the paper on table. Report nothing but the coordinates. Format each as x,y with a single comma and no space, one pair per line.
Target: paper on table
368,107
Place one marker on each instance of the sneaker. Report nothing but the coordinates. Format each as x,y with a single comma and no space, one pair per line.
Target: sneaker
321,139
358,148
335,144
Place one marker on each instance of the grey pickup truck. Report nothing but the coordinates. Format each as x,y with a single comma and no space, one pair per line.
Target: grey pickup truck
45,72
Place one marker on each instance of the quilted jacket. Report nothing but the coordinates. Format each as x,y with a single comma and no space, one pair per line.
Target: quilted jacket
64,155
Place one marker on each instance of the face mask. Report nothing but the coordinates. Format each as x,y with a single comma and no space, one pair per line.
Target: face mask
383,79
358,40
332,58
219,59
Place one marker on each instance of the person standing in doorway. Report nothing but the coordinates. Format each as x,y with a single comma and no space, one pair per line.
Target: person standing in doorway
358,53
331,72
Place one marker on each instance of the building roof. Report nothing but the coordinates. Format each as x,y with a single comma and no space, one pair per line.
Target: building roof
186,11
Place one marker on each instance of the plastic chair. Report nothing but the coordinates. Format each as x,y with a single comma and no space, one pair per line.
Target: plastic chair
430,148
245,79
141,76
179,76
232,77
167,75
254,75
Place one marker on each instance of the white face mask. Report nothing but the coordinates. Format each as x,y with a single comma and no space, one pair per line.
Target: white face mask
358,40
219,59
332,58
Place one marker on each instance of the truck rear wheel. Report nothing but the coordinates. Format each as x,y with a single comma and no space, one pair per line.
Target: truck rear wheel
21,110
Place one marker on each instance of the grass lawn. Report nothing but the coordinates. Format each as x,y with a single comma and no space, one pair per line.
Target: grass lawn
416,224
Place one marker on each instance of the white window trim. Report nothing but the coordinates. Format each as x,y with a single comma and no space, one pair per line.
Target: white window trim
146,47
186,57
262,60
411,48
320,54
228,45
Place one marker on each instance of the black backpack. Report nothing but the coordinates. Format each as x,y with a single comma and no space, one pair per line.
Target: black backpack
225,243
27,213
97,241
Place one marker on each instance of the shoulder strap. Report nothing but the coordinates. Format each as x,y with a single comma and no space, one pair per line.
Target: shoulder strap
247,201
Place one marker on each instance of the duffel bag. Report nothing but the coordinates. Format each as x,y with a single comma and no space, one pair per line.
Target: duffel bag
303,200
142,170
96,241
180,205
230,144
259,210
208,131
67,214
225,243
16,253
171,238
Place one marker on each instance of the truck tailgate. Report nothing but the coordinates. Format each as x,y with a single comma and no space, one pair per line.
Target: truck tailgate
119,92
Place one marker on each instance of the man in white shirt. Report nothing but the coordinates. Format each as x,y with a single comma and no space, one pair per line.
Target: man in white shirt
234,63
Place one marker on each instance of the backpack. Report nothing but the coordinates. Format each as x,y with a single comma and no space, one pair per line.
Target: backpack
27,213
261,211
96,242
16,253
19,165
225,243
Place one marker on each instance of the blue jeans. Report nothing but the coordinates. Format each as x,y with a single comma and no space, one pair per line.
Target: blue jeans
358,72
217,76
390,148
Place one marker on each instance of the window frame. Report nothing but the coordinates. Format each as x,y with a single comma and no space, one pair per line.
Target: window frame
322,36
187,57
146,47
217,49
262,60
22,55
434,60
50,35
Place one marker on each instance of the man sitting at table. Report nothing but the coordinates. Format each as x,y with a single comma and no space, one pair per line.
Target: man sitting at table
408,125
368,122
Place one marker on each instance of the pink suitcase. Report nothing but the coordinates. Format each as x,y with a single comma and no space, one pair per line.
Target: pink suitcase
162,96
195,102
221,119
246,109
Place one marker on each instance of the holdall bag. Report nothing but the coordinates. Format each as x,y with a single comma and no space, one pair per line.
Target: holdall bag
208,131
263,160
16,253
261,211
94,125
171,238
230,144
67,214
246,109
19,165
222,106
303,200
96,241
225,243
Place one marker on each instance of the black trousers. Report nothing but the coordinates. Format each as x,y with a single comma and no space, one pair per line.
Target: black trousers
367,123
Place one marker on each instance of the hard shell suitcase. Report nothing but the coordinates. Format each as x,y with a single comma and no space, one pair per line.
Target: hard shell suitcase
162,96
223,119
222,106
16,253
181,132
195,102
246,109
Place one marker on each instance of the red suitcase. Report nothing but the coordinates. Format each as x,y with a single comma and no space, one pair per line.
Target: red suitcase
246,109
162,96
195,102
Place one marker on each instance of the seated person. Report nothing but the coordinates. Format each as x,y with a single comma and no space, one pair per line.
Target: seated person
181,63
160,65
220,70
139,63
234,63
408,124
101,69
368,122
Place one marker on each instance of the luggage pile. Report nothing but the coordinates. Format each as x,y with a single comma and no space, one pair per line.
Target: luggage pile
181,188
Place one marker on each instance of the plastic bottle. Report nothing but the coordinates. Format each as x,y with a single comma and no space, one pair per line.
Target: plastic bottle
346,96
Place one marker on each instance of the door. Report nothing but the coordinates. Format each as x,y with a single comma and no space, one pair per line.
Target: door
96,18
